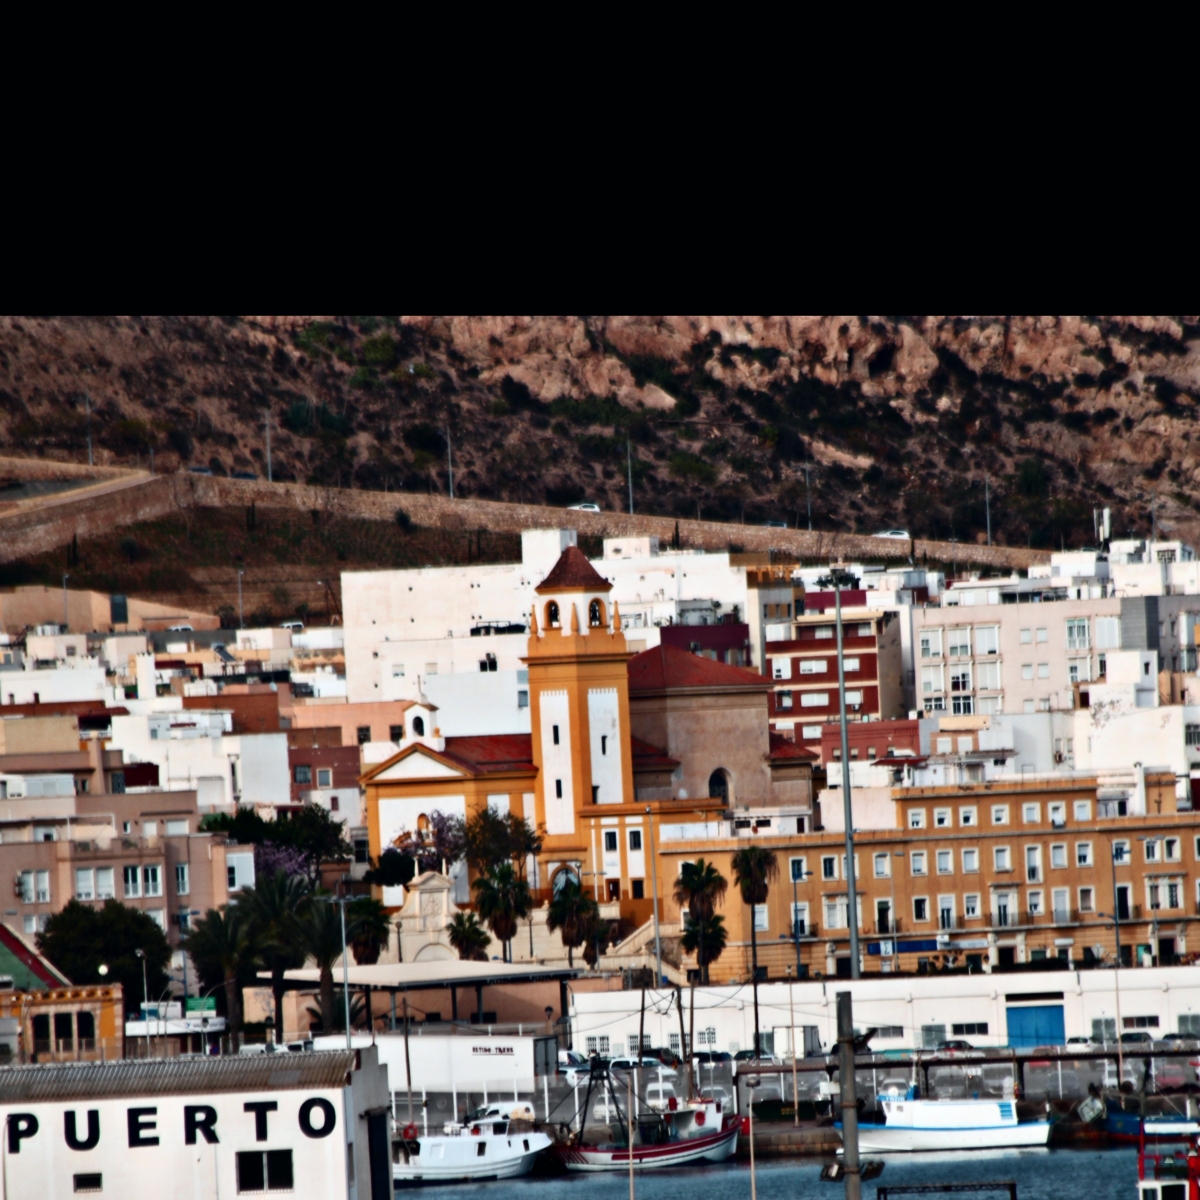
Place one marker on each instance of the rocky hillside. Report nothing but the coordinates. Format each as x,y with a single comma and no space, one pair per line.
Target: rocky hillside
901,418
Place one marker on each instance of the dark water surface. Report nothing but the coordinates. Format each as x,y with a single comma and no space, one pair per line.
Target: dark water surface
1039,1174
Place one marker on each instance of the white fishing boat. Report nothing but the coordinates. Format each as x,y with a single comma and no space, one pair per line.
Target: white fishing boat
496,1143
688,1131
909,1124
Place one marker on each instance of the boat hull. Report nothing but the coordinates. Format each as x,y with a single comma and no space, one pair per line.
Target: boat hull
890,1139
501,1161
713,1147
1127,1127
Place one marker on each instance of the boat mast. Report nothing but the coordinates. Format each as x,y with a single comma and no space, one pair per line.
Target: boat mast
407,1060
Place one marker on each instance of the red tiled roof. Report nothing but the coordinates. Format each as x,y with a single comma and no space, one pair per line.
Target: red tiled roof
666,667
784,748
647,757
492,752
573,571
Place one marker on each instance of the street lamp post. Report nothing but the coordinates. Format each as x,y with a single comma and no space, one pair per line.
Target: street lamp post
341,902
894,931
838,579
145,999
66,614
798,873
792,1040
654,894
1153,911
241,615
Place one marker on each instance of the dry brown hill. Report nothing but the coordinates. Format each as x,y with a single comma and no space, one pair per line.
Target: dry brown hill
902,417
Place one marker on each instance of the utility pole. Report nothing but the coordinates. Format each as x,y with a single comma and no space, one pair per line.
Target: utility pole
629,470
847,1098
241,615
987,503
450,462
838,578
87,400
66,615
654,893
808,493
267,423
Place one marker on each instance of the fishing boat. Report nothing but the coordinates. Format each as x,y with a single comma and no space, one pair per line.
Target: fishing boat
1124,1125
908,1123
498,1142
666,1134
1169,1174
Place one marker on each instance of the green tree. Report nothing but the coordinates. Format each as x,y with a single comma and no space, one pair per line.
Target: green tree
79,939
372,929
598,933
320,936
393,869
275,907
313,831
699,888
705,937
571,913
468,937
754,870
223,948
502,898
491,838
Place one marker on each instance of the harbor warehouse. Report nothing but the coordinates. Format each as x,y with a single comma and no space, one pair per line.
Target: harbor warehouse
315,1124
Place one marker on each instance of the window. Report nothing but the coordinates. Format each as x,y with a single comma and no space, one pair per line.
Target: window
1033,863
1151,851
1058,856
1057,812
1087,899
1083,854
1031,814
760,918
152,881
941,818
133,883
987,676
916,820
987,639
302,774
971,906
960,678
962,706
1171,849
1026,637
85,883
1120,852
1043,670
799,869
324,777
823,631
1189,1025
785,698
967,817
987,705
918,862
829,866
837,912
1002,858
932,681
779,669
599,1045
363,732
610,841
265,1171
1079,670
970,861
920,908
999,814
1035,904
1077,634
809,732
945,912
397,673
182,882
595,614
177,828
959,643
814,699
91,1182
931,1035
1173,894
1083,810
635,839
1061,899
1027,670
850,664
883,866
523,698
1043,636
931,643
558,789
1139,1022
970,1029
945,862
43,887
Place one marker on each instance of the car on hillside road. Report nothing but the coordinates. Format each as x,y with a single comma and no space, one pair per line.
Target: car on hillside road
897,534
585,506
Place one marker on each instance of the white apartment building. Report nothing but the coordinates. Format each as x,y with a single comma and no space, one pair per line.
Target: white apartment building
407,631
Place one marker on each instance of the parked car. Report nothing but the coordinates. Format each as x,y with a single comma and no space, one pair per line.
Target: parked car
664,1055
586,506
294,626
895,1085
1186,1039
894,533
1167,1075
1137,1037
750,1056
954,1046
713,1056
1080,1041
660,1095
242,475
179,629
200,470
721,1095
643,1064
774,524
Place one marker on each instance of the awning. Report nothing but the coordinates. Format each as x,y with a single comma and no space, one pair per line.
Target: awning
446,973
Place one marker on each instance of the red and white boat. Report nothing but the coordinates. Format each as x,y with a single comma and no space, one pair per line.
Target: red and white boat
688,1131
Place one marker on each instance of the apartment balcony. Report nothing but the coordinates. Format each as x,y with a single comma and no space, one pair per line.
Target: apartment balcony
805,930
948,923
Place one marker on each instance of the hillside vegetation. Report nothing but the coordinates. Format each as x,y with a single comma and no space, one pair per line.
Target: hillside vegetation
901,418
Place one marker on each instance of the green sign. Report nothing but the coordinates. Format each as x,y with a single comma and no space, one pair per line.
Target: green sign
202,1004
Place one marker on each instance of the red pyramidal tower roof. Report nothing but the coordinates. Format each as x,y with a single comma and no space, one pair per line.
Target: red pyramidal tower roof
573,573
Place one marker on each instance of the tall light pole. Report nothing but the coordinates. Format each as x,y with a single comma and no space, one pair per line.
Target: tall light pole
66,614
987,504
87,400
838,579
145,999
450,462
894,931
654,893
241,615
341,902
798,873
792,1040
629,470
267,424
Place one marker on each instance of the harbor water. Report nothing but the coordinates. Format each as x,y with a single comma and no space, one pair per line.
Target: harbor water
1039,1174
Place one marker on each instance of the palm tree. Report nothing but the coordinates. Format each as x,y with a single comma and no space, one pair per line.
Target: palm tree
502,898
320,937
372,929
571,911
754,870
223,948
275,906
705,938
701,887
468,937
597,933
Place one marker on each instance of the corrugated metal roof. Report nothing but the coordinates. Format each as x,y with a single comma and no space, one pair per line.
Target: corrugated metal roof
172,1076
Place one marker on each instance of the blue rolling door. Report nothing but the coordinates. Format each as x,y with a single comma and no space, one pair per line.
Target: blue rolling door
1036,1025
